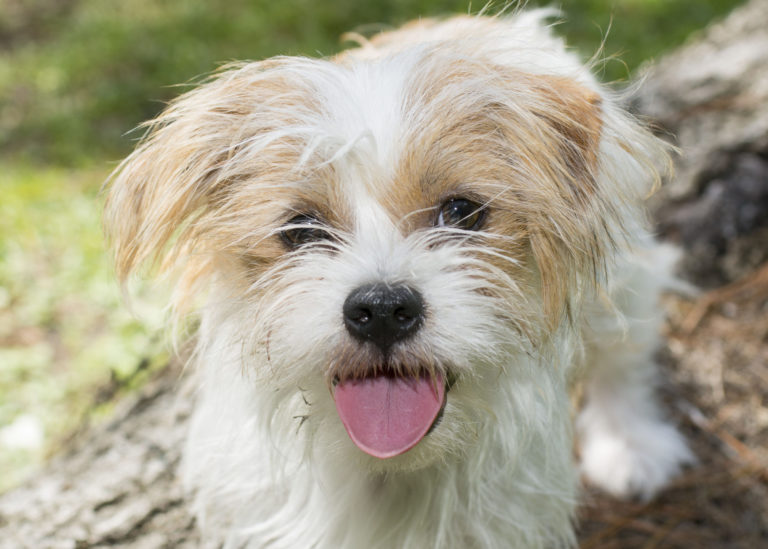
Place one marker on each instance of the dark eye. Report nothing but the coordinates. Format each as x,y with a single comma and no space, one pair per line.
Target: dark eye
303,229
461,214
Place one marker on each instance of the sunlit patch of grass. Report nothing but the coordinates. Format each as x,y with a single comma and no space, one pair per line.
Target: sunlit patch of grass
63,330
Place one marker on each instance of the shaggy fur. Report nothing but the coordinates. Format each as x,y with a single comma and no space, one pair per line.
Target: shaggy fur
559,284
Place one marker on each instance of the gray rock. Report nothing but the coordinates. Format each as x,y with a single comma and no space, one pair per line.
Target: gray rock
710,98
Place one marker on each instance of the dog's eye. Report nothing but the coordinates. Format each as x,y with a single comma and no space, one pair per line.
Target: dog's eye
303,229
461,214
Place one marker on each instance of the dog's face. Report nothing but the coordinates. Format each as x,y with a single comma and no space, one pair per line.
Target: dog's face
386,235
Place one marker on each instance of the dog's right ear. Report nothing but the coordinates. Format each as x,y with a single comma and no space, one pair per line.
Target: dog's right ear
168,198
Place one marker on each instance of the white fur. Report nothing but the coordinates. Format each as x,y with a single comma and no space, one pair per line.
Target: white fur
627,448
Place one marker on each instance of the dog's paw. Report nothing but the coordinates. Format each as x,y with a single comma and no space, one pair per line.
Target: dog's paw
635,461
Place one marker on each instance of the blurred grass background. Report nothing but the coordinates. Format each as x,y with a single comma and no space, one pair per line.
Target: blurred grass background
75,77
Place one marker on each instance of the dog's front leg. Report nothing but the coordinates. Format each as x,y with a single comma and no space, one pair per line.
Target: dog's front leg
627,446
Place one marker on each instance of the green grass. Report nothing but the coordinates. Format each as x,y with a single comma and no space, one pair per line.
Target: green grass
63,330
76,75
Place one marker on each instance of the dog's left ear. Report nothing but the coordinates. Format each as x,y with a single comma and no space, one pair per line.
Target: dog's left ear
571,129
595,164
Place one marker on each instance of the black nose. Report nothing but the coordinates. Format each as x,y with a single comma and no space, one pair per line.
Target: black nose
383,314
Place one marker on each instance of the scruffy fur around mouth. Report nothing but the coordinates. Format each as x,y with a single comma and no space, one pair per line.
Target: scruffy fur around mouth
477,177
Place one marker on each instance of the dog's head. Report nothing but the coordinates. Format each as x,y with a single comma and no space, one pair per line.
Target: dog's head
392,229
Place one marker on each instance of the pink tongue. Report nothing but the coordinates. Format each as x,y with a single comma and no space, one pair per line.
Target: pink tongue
386,416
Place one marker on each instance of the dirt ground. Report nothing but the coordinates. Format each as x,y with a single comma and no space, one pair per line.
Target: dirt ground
716,364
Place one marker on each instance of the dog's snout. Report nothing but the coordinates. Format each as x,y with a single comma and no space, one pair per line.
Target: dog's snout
383,314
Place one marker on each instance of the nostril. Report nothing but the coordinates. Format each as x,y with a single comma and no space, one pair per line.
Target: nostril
404,316
362,316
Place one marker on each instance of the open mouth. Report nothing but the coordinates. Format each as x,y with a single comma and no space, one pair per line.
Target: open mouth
386,415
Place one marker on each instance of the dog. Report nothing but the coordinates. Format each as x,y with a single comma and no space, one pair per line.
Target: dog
401,261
